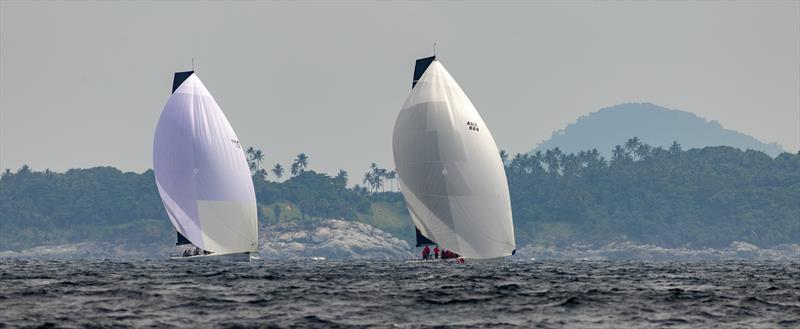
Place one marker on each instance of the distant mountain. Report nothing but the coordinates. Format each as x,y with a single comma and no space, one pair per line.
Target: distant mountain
657,125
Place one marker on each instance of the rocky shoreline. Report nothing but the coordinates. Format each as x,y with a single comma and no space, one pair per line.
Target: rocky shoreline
336,239
331,239
626,250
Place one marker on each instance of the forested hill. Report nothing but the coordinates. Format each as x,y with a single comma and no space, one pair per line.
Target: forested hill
658,125
670,197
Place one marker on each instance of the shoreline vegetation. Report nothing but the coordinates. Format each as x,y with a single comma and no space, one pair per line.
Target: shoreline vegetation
712,197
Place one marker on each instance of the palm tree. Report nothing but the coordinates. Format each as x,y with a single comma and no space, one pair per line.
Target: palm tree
382,173
570,164
249,157
632,144
378,174
258,156
594,159
553,160
375,175
619,154
24,170
341,178
302,163
277,170
392,175
378,182
643,151
536,160
254,157
368,180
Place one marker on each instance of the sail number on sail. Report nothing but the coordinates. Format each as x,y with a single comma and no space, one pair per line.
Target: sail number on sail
236,143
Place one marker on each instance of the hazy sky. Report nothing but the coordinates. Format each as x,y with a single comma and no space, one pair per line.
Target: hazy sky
83,83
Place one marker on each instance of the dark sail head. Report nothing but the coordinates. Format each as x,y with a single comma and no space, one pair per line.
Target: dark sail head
179,78
420,67
182,240
423,240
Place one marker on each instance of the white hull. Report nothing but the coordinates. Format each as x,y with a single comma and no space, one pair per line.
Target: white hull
234,257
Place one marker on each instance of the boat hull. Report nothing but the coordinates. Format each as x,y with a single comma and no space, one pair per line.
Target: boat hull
233,257
460,260
437,260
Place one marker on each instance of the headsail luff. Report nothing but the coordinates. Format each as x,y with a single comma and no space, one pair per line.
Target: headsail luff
201,173
450,170
419,68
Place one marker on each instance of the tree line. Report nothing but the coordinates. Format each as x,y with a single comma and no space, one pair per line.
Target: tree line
665,196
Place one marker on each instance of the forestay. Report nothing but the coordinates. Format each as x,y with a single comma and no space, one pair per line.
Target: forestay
451,174
201,172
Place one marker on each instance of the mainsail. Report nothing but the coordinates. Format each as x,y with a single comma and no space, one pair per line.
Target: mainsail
451,174
201,172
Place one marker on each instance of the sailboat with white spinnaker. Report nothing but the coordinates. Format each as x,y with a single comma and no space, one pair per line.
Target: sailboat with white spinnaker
450,170
203,177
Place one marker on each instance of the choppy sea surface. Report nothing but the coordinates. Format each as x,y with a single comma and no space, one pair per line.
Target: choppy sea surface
327,294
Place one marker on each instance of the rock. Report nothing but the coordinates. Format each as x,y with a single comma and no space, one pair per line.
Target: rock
743,246
333,239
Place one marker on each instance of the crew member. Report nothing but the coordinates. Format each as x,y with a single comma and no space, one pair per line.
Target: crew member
436,252
426,252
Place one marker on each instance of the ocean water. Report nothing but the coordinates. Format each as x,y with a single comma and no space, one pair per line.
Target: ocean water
396,294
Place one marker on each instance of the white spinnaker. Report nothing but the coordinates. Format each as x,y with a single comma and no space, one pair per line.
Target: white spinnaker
202,174
451,174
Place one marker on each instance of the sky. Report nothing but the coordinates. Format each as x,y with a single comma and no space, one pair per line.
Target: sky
82,84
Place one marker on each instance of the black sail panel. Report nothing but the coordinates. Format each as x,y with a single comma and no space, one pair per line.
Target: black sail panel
423,240
420,67
179,78
182,240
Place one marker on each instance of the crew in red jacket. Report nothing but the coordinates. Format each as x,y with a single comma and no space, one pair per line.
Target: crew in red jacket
426,253
436,252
